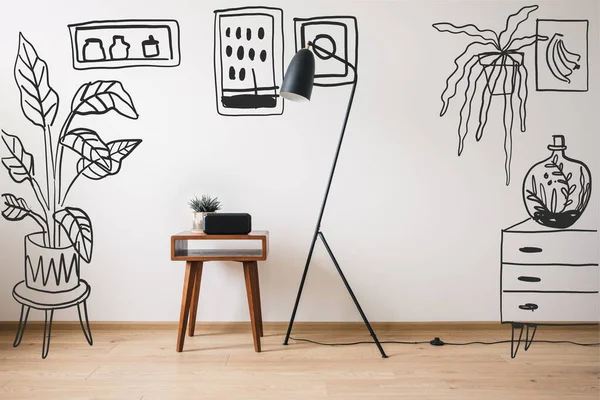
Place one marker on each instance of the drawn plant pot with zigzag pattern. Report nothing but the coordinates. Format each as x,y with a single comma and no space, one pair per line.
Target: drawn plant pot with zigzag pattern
50,269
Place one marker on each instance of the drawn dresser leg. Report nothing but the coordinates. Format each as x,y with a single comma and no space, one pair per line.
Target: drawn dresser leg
514,349
82,310
47,331
22,323
529,340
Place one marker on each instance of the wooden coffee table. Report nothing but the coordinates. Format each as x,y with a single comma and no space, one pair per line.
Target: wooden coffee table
194,262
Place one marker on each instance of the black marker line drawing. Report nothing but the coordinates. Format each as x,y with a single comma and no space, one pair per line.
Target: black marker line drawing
336,34
125,44
485,74
557,190
548,275
562,63
248,61
53,254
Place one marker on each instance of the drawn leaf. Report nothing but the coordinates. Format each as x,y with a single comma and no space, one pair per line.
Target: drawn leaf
39,101
539,208
525,41
533,185
572,189
543,194
78,227
553,201
555,159
512,24
16,208
20,163
120,149
569,176
568,203
88,145
469,55
101,97
564,192
469,29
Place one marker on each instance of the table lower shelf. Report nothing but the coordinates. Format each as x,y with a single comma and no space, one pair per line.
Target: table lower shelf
219,254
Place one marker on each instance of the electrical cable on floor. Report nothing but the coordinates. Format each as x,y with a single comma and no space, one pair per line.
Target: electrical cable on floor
442,343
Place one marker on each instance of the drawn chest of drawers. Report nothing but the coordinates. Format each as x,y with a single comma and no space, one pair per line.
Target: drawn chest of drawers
549,275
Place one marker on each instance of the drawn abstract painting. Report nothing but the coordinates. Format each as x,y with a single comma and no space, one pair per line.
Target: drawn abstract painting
248,61
491,70
54,252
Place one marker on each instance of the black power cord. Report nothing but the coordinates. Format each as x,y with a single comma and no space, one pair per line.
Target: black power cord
438,342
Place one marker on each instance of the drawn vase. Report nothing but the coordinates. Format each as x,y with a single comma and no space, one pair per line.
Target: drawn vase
557,190
93,50
119,49
50,269
501,70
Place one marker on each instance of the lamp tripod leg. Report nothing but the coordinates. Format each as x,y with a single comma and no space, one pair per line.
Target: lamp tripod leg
354,299
301,287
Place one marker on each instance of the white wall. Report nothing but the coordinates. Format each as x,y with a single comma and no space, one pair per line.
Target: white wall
416,228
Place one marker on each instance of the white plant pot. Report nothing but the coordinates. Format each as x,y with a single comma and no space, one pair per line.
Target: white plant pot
198,221
50,269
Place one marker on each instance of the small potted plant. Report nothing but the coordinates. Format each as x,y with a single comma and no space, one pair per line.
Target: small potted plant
200,208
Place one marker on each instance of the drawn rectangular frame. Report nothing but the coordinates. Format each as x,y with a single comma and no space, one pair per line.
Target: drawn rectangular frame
278,70
587,59
171,26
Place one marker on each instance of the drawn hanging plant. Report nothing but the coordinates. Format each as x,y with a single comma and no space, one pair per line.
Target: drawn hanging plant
493,65
98,159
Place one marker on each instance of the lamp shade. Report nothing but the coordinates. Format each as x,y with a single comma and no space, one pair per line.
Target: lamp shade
299,78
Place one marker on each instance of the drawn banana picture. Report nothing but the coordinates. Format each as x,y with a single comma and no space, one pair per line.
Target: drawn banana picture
561,62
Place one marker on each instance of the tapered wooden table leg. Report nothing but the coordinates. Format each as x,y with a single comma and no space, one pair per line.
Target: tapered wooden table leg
186,299
251,277
258,307
195,295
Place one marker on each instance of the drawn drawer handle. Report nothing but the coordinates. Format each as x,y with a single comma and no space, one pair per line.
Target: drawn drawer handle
528,306
530,249
529,279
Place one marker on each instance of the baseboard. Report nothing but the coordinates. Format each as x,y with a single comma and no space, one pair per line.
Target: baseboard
281,326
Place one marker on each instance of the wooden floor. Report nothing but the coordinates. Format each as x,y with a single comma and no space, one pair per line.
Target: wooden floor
139,362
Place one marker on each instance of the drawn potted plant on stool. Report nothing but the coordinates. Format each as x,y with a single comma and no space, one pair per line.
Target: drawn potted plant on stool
200,208
53,254
492,65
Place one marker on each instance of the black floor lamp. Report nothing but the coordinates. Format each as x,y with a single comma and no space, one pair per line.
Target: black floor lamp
297,86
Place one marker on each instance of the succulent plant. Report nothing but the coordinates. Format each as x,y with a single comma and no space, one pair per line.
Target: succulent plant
205,204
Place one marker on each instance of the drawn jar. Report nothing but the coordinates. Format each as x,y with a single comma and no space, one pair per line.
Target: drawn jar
557,190
150,47
93,50
119,49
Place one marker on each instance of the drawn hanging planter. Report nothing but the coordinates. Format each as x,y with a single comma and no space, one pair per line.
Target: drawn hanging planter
557,190
491,65
53,254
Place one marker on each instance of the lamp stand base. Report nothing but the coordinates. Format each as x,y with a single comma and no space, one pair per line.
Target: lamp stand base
339,270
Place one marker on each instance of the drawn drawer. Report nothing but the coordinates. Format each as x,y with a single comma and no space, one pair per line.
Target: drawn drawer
556,247
519,277
550,307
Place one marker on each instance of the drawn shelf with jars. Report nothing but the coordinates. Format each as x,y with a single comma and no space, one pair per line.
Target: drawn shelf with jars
125,43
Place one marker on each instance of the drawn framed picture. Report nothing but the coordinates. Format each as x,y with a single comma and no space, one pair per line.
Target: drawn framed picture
561,63
248,61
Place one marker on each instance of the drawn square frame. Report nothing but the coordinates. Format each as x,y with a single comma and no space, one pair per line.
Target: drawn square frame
350,54
587,54
276,15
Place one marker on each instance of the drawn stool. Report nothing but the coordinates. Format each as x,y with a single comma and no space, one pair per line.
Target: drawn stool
48,302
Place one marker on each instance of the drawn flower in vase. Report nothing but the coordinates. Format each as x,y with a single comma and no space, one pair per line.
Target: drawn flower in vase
557,190
491,66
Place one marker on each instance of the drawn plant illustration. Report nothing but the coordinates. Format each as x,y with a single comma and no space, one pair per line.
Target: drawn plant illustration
492,65
53,254
557,190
